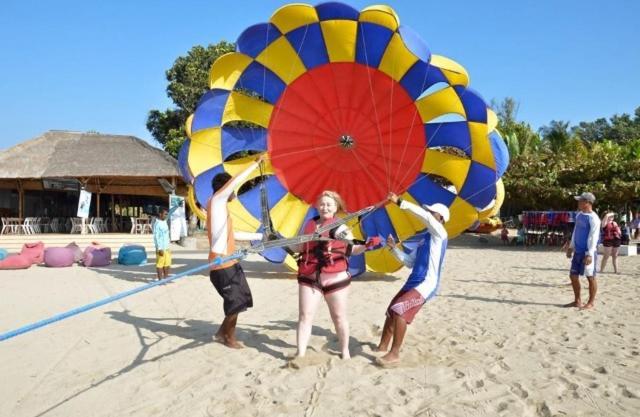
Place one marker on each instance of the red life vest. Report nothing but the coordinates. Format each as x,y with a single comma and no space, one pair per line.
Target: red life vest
319,256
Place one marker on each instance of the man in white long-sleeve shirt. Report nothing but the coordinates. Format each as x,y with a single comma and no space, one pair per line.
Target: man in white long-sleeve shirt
583,249
426,263
228,278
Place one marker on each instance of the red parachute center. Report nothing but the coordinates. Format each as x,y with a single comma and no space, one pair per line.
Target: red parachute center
349,128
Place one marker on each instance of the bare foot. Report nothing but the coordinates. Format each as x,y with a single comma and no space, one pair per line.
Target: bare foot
574,304
389,360
587,306
298,362
219,338
345,356
233,344
380,348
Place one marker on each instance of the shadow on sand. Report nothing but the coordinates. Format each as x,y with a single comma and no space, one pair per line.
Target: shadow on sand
198,333
524,284
500,300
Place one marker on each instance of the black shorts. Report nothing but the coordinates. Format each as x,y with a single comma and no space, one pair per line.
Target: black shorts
232,286
613,243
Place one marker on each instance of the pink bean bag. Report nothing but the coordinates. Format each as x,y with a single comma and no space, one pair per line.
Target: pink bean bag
15,262
77,252
59,257
34,252
96,256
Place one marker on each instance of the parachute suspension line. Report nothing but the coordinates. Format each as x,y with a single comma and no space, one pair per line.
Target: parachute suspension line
434,135
469,196
304,38
267,224
266,218
264,67
375,111
307,150
392,82
366,170
466,149
406,139
282,155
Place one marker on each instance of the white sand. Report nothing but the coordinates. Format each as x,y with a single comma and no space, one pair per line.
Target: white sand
494,343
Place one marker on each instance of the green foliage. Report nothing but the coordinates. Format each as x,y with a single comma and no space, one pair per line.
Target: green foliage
621,129
556,135
188,79
519,136
547,170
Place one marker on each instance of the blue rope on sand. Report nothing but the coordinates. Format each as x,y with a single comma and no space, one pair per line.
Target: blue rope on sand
75,311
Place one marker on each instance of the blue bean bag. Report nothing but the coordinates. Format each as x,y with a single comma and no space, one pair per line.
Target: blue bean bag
3,254
132,255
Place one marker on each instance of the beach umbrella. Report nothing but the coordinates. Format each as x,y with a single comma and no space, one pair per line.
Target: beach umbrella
349,101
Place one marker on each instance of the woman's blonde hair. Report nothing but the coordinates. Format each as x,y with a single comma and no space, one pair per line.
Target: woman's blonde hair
605,218
342,208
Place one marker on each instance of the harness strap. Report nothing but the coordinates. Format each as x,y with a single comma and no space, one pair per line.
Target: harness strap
336,285
329,288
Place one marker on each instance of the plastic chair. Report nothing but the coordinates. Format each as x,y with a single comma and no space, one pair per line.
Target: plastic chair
134,225
76,224
27,226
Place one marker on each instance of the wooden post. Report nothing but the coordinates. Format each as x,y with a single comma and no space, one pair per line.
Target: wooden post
98,190
113,213
20,200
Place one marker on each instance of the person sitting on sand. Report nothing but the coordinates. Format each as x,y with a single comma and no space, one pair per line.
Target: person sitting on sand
426,262
323,272
582,250
228,278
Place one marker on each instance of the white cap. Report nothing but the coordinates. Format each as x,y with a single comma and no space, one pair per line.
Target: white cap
439,208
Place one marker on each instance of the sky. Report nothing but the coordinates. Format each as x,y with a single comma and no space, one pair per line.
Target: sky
100,65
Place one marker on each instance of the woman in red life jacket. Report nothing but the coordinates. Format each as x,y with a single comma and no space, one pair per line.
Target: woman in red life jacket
611,240
323,271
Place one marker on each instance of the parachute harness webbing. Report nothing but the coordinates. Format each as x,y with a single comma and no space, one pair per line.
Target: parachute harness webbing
264,202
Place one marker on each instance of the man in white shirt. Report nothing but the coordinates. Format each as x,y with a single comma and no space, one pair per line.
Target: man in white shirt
426,262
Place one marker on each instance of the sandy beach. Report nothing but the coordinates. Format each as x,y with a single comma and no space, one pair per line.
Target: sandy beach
494,343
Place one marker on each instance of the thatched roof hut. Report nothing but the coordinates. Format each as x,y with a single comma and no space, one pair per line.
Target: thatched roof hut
102,164
59,153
